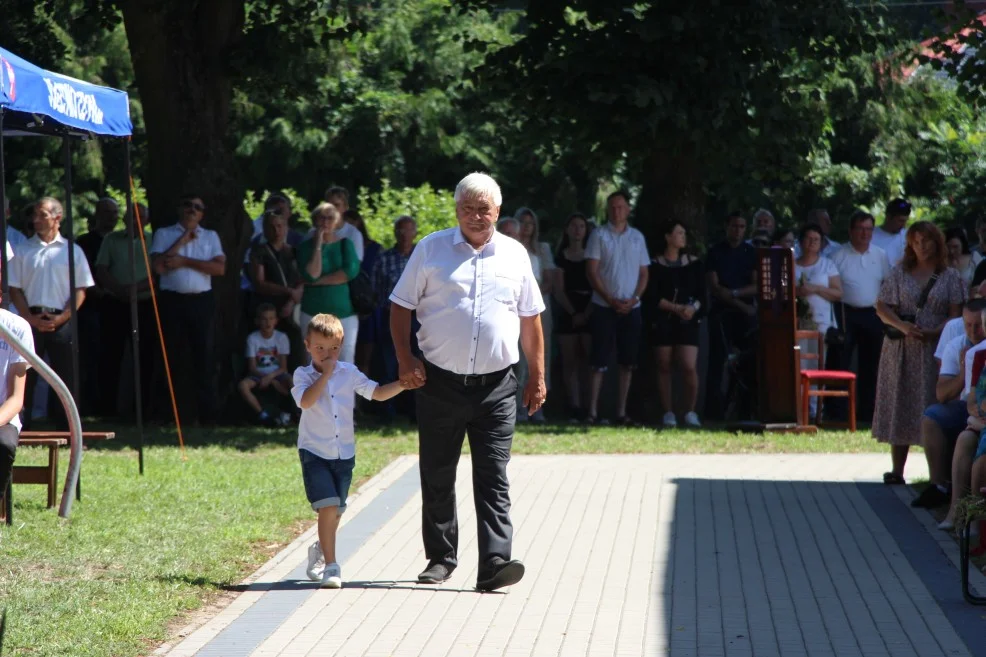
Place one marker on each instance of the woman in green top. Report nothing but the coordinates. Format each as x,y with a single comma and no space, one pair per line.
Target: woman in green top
327,264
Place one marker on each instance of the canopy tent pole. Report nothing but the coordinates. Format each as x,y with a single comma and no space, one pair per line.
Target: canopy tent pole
74,320
4,287
134,324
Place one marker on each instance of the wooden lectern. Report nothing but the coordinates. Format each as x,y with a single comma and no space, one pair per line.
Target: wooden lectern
777,358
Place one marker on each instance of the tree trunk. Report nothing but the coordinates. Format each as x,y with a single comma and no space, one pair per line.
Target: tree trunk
673,189
180,52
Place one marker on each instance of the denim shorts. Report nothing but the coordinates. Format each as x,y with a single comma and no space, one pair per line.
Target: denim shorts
951,417
981,450
326,480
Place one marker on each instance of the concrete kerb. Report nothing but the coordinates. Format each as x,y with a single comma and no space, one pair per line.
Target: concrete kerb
194,636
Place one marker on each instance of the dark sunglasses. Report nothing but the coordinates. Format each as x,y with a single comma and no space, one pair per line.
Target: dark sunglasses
192,204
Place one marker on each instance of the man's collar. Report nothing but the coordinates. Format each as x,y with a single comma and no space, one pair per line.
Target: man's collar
58,239
459,238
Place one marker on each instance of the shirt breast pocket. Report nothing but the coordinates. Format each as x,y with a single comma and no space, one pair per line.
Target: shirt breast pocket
507,290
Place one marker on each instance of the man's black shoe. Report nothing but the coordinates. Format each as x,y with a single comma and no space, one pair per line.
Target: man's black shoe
435,573
505,574
930,498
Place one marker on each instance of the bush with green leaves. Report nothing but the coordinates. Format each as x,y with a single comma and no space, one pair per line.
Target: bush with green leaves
433,209
254,201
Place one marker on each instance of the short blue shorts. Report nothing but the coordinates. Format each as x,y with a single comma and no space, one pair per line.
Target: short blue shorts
981,450
951,417
326,480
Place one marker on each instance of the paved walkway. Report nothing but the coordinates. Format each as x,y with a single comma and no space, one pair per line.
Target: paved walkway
690,556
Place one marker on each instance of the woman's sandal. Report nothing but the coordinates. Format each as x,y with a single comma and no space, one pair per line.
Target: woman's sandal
891,479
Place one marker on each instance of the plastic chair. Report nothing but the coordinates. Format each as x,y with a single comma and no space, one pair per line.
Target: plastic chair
823,377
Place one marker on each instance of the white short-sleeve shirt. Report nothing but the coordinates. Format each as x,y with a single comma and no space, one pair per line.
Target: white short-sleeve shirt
620,256
41,272
818,274
267,351
950,365
326,428
970,357
469,302
892,244
205,246
862,274
9,356
952,329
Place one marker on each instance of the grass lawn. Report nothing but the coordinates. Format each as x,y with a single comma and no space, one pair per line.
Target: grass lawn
139,553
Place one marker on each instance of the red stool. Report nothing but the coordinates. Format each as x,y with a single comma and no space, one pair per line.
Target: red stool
823,377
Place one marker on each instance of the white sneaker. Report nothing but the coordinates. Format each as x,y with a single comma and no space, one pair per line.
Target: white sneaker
332,577
691,419
316,561
669,420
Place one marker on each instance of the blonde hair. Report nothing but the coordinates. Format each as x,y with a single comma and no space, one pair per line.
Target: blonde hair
326,325
326,208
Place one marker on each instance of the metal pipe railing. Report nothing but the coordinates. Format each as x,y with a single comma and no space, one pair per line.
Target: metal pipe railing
71,412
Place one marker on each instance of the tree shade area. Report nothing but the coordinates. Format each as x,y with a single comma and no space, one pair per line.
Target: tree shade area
699,108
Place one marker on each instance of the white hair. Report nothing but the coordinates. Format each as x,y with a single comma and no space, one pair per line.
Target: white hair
762,212
478,185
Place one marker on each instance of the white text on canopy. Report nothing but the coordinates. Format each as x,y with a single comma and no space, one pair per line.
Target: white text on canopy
65,99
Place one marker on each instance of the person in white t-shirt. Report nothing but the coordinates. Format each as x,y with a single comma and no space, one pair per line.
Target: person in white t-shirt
13,382
891,236
267,351
944,421
339,197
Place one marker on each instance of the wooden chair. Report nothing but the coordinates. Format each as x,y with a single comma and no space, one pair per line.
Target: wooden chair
823,378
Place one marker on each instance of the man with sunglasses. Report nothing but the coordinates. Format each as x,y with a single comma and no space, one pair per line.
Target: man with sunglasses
186,257
891,236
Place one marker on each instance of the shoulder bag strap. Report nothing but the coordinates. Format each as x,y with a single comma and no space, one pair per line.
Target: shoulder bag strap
926,291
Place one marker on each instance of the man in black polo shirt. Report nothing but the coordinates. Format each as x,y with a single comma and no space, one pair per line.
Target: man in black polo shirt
731,272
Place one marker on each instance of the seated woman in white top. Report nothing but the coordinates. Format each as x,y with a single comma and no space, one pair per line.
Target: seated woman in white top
819,284
13,380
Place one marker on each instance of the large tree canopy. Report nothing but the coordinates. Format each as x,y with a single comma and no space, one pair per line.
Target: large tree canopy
694,94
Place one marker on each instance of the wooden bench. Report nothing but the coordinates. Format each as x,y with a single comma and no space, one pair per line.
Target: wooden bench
43,474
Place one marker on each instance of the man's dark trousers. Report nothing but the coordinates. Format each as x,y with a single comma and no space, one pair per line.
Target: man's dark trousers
58,345
187,323
727,329
8,448
449,407
117,332
864,334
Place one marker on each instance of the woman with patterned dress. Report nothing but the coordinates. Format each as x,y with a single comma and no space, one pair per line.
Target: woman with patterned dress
908,372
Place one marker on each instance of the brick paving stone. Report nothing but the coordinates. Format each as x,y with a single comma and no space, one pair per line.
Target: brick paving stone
681,555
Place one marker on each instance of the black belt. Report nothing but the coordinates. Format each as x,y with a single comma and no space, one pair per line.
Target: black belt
45,310
858,308
469,380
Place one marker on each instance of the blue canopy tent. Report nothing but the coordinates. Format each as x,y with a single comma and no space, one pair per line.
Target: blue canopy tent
36,102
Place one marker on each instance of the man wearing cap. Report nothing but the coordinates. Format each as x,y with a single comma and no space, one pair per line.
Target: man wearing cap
39,287
891,236
476,297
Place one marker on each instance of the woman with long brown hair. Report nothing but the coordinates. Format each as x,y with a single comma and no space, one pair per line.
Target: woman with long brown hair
919,296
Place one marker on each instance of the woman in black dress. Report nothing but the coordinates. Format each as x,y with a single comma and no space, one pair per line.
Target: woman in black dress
674,305
572,309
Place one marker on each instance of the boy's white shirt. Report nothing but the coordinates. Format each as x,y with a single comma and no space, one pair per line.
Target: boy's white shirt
326,428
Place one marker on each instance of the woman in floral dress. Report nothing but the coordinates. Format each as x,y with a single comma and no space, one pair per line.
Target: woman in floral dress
908,373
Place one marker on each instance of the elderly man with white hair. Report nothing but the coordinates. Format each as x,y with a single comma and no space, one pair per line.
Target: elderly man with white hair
476,298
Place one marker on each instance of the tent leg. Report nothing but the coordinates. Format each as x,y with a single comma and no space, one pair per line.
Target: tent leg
134,321
4,288
74,320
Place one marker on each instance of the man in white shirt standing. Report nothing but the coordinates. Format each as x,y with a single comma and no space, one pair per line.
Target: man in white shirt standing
891,236
13,382
862,267
475,296
617,266
339,197
40,288
186,257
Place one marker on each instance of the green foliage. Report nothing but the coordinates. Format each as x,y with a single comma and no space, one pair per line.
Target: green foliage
254,203
432,210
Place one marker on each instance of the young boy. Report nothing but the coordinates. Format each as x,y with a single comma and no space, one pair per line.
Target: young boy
325,391
267,364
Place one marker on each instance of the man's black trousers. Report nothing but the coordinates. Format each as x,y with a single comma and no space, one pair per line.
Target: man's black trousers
450,407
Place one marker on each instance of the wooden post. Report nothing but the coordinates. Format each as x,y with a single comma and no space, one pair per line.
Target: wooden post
777,360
